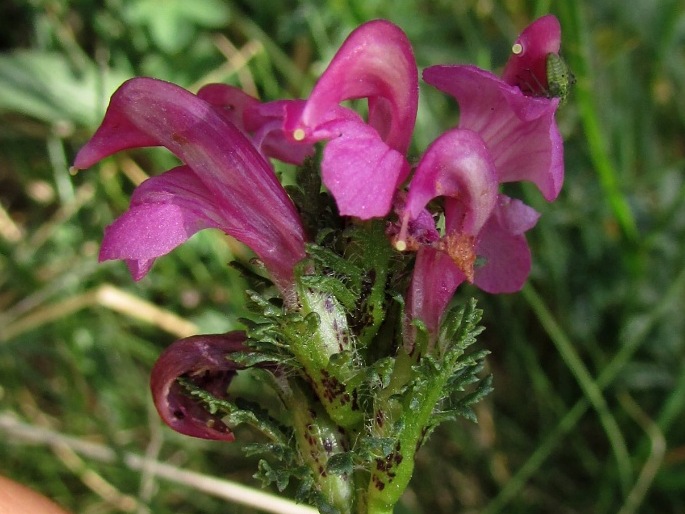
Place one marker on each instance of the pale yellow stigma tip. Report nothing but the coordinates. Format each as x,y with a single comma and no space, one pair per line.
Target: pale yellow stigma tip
298,134
73,170
400,246
517,48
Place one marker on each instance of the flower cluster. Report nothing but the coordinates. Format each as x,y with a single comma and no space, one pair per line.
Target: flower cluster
228,141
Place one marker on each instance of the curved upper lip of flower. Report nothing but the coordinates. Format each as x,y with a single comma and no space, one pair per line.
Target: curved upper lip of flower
376,61
363,163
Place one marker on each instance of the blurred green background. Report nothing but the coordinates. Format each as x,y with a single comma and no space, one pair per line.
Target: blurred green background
589,360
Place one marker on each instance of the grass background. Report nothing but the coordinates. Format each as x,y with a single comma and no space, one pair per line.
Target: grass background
589,360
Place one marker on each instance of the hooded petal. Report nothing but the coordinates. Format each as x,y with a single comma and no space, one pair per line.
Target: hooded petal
375,62
527,65
146,111
456,165
503,248
519,131
205,361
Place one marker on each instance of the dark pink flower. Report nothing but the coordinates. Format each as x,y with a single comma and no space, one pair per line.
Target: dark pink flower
225,182
518,127
205,362
457,167
502,263
363,162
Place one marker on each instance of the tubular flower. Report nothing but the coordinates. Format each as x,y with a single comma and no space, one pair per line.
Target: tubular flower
506,133
458,167
225,182
519,129
363,163
205,362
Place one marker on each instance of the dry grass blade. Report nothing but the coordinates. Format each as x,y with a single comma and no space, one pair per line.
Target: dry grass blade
29,434
107,296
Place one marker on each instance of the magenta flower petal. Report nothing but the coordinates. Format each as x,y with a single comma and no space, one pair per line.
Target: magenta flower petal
519,131
205,361
165,211
346,162
457,165
262,121
375,62
233,102
434,281
503,247
420,230
527,65
239,181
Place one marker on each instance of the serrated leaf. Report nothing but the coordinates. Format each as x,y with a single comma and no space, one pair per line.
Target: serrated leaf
249,359
282,452
332,286
381,372
248,413
328,259
269,475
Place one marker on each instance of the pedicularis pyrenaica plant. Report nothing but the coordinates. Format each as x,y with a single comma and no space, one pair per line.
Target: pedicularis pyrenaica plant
352,329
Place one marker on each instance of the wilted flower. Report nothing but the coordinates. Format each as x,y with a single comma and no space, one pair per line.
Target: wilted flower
205,362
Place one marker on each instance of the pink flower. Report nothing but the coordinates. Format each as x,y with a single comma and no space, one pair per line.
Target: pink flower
363,162
506,133
458,167
205,362
225,182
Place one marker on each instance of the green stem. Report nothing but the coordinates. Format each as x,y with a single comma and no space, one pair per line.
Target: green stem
318,438
391,474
